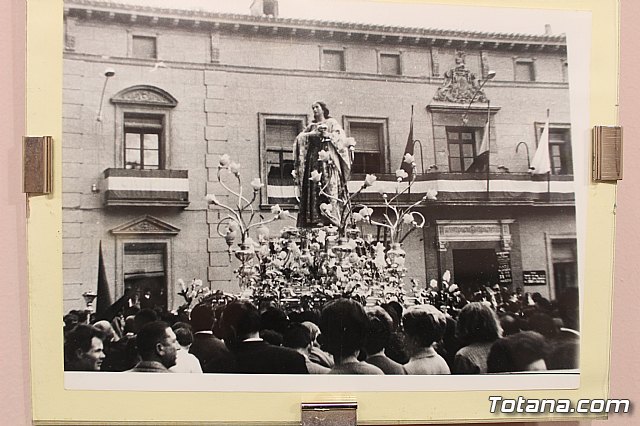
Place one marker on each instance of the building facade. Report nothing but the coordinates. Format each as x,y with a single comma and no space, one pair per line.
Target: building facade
153,97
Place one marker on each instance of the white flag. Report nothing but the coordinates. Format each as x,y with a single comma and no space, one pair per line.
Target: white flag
484,145
541,163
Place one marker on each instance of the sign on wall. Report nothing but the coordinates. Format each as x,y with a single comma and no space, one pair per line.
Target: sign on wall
534,277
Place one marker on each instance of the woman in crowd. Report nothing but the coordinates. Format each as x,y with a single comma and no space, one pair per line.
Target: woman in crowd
477,329
343,324
378,335
523,351
424,326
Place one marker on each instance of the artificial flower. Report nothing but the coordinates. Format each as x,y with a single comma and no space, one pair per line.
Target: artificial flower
276,209
256,184
224,160
350,142
407,218
315,176
234,168
401,174
366,212
357,217
409,159
431,194
212,199
370,180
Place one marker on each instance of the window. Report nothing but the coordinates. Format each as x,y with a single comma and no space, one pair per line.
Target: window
333,60
143,120
560,152
389,64
462,148
524,70
143,141
279,137
370,135
144,47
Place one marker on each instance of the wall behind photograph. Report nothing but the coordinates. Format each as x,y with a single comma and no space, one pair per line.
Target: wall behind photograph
14,372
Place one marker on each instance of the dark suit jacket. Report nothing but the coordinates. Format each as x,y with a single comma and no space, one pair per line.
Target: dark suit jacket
211,352
259,357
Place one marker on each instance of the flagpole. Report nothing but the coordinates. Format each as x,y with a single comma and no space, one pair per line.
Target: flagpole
549,173
488,145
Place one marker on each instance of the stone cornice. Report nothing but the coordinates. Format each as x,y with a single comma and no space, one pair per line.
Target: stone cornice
314,29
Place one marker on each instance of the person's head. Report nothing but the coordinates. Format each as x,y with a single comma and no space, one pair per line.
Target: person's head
509,324
183,336
523,351
343,324
240,320
202,318
297,336
379,330
144,317
156,341
424,325
84,349
314,331
70,321
543,324
106,327
477,323
320,109
273,318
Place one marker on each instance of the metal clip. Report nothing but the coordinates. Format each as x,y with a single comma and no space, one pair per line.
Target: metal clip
37,166
329,414
607,153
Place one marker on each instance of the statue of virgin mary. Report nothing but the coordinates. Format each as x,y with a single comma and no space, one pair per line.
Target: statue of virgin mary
322,170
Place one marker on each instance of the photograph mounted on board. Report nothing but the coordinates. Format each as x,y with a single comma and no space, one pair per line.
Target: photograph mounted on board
262,187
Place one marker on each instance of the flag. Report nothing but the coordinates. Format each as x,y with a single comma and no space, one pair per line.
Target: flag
541,163
104,297
408,150
481,162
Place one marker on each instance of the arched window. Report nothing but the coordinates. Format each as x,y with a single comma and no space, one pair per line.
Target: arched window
143,120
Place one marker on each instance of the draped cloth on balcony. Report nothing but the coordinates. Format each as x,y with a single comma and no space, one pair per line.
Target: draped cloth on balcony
334,172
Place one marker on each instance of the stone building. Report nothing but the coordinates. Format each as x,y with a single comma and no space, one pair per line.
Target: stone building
153,97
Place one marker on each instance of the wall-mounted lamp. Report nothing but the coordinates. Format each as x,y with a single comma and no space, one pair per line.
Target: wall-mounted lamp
95,189
490,76
89,297
108,73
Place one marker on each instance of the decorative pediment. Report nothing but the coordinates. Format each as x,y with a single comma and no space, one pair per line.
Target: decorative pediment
460,85
146,225
145,95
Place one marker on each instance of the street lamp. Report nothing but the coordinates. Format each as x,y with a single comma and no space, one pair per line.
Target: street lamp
108,73
490,76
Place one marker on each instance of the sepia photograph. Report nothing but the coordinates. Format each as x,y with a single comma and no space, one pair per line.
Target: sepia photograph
346,187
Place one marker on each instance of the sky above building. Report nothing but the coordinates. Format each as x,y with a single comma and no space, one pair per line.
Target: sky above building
395,13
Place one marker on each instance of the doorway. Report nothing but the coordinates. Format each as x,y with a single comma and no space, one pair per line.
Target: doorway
145,274
473,269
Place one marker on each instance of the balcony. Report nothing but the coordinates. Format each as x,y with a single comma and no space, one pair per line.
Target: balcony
149,188
458,189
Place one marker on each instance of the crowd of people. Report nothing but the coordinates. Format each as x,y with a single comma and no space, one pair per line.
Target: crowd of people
344,337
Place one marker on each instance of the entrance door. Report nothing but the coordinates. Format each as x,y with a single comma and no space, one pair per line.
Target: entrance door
474,269
145,274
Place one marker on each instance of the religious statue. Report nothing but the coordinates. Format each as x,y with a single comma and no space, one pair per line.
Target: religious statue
322,170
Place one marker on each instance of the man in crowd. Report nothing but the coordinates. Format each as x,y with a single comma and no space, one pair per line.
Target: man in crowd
240,329
83,349
157,346
210,351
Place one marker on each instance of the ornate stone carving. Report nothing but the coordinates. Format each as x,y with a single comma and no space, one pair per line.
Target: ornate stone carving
506,242
145,95
441,245
460,84
146,225
435,62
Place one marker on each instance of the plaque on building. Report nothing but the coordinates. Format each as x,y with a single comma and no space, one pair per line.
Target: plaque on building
534,277
504,267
